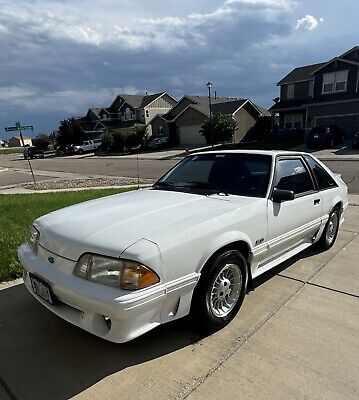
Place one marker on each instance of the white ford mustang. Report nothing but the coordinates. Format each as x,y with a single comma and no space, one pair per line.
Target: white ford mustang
122,265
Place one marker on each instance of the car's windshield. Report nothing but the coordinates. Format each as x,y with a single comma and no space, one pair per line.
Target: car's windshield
239,174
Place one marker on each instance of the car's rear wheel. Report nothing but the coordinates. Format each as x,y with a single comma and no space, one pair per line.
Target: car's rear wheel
330,232
220,291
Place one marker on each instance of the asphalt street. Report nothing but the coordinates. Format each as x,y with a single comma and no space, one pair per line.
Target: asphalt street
127,167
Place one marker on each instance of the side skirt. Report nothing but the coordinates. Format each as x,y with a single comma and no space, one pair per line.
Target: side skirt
278,260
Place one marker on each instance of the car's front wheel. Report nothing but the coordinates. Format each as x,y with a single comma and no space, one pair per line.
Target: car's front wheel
220,291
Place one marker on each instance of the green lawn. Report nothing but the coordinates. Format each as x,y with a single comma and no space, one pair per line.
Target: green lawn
17,212
11,150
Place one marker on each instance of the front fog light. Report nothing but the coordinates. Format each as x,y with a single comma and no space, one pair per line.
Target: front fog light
128,275
33,239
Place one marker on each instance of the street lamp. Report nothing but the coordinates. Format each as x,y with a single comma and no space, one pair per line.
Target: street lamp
209,86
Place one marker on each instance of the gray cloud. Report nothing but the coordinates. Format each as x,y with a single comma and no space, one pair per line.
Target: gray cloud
59,57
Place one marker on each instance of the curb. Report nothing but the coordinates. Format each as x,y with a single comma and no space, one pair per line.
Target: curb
29,191
9,284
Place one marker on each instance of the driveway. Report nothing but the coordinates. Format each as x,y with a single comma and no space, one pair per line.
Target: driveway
296,337
340,152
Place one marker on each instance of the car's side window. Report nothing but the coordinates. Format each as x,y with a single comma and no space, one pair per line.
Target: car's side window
291,174
324,180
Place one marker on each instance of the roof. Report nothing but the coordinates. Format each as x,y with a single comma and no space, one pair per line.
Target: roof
96,110
139,101
349,51
25,137
306,72
118,124
220,105
335,59
290,104
301,74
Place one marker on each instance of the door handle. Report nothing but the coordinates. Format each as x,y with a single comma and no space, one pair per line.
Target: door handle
316,202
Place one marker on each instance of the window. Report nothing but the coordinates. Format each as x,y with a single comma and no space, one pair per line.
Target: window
324,180
292,175
293,121
335,82
128,114
147,114
238,174
311,88
290,91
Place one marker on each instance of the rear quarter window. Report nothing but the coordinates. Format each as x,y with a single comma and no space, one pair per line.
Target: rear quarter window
324,180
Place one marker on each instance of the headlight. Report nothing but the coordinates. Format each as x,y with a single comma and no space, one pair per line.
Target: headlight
33,239
125,274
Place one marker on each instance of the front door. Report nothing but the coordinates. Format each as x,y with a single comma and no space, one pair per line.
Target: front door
293,222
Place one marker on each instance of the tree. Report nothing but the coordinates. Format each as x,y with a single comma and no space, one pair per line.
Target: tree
70,133
106,141
42,142
219,129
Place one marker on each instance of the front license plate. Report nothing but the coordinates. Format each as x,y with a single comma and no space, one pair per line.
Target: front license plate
41,288
316,136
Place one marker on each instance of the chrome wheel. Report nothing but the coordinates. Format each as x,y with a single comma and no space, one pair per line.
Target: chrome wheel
332,228
225,291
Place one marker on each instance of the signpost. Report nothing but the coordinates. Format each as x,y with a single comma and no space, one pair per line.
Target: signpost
20,128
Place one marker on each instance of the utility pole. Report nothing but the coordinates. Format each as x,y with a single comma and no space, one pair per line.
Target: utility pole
209,86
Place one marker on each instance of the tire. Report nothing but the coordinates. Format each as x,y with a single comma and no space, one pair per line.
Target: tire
214,304
81,151
330,232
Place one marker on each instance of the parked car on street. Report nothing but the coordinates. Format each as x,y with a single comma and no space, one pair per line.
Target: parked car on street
158,142
33,152
191,244
355,142
87,146
325,136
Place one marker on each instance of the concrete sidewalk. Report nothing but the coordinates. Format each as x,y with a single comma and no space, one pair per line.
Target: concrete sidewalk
296,337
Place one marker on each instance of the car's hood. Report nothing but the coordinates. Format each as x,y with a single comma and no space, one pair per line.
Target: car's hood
109,225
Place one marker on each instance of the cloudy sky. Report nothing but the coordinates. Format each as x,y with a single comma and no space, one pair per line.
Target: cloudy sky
59,57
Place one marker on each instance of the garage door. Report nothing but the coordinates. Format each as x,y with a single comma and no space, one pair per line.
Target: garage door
350,123
189,135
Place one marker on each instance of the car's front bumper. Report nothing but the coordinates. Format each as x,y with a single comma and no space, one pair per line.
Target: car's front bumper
86,304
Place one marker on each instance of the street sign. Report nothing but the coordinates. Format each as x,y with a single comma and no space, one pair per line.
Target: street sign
19,128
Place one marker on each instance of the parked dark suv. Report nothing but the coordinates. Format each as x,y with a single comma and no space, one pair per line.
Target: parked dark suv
325,136
33,152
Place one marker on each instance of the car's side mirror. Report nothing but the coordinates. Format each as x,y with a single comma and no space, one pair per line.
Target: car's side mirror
280,195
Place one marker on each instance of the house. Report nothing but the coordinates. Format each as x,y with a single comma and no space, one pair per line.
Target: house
15,141
126,111
183,122
321,95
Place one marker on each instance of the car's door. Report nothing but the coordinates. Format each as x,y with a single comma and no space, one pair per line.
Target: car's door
86,146
293,222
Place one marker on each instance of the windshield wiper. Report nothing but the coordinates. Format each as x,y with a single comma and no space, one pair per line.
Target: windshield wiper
206,185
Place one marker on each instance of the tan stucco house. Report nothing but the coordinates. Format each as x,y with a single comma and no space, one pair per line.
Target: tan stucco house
15,141
185,119
127,111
